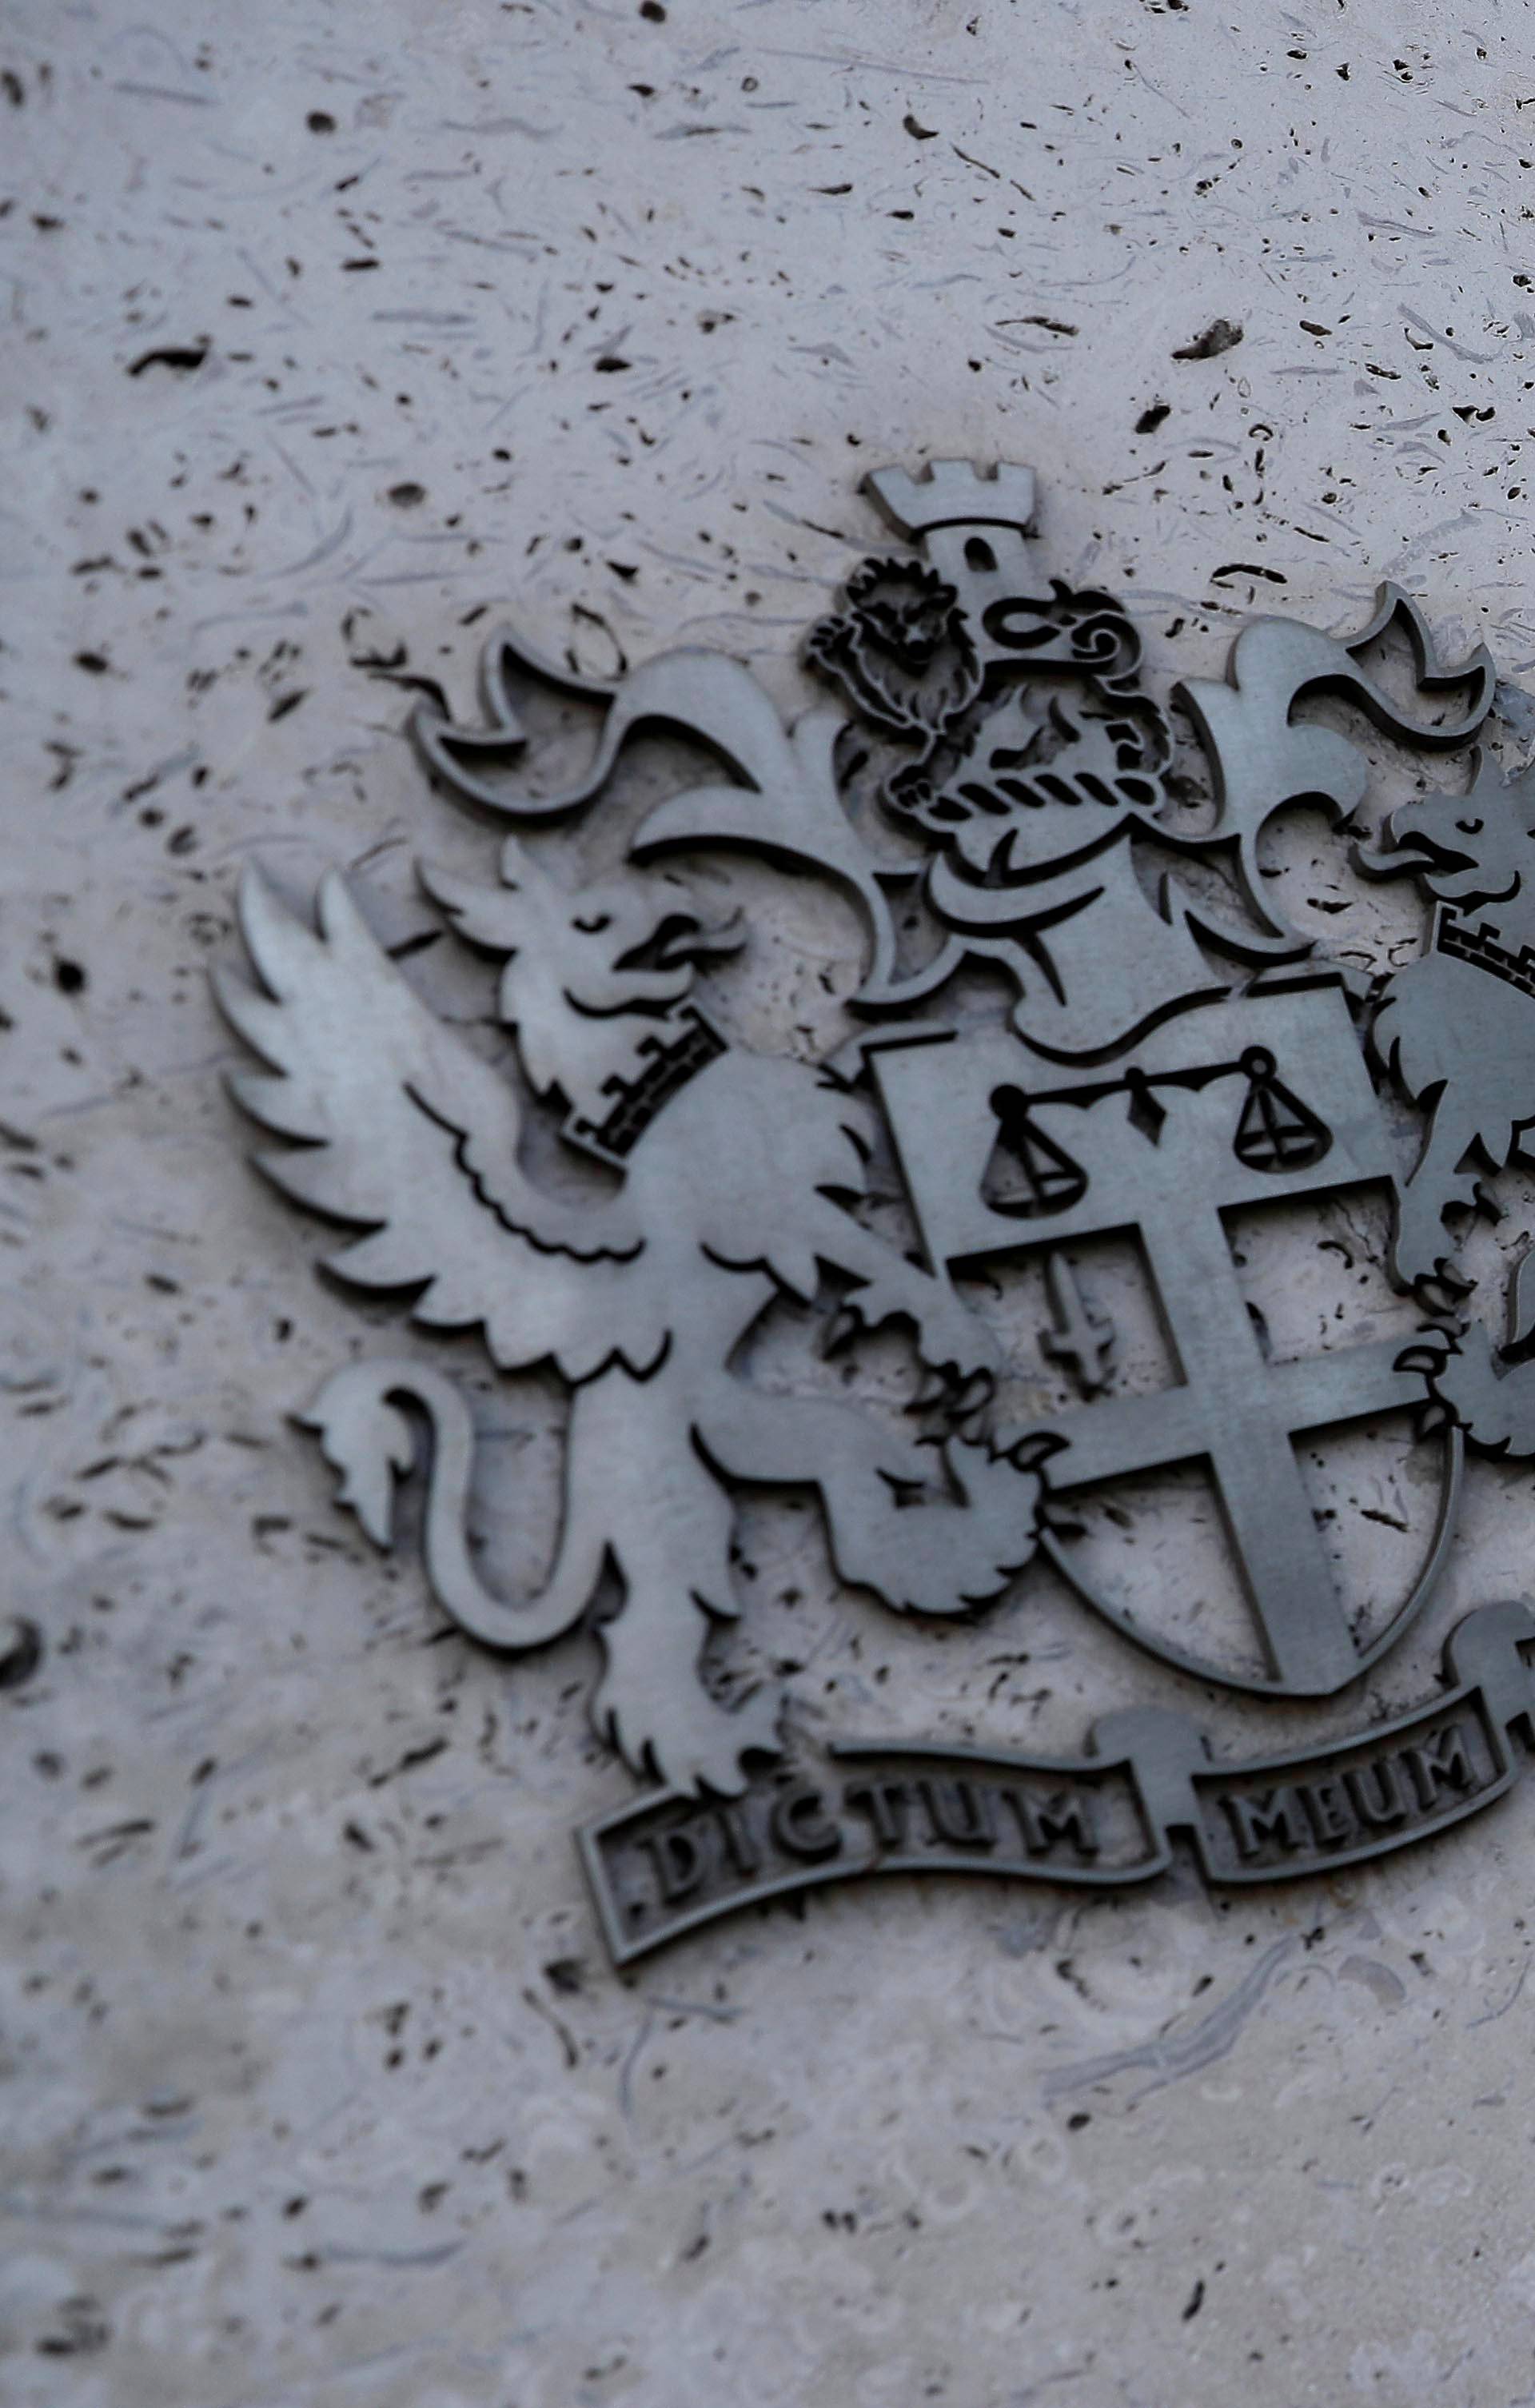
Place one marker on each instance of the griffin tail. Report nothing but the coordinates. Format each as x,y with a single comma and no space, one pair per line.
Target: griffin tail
367,1439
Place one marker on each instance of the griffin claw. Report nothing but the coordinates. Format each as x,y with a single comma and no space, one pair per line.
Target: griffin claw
975,1391
960,1406
1031,1452
1427,1353
1441,1288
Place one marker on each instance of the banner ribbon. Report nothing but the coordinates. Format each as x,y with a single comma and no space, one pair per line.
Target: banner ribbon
668,1863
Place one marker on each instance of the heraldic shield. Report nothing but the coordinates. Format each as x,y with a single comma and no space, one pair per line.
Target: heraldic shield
1172,1137
1083,1020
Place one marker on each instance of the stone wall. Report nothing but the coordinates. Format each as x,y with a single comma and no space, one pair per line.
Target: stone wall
333,334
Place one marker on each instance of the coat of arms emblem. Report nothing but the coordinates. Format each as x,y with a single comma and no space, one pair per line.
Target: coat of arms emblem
1084,1031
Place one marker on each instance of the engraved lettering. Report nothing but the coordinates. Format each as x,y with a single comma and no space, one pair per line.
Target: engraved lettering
1258,1821
1060,1818
1386,1805
886,1803
678,1862
960,1813
740,1846
1329,1814
1440,1759
801,1826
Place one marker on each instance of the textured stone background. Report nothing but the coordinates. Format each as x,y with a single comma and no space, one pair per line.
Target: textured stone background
330,330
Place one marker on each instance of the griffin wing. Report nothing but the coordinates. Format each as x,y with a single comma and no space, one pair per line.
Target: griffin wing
406,1132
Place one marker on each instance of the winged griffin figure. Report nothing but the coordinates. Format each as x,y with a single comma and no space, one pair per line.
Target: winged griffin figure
1456,1030
730,1162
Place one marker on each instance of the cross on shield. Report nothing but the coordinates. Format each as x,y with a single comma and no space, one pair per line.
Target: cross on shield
1154,1137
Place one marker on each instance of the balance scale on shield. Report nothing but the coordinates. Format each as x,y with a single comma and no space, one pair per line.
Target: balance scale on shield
1234,1103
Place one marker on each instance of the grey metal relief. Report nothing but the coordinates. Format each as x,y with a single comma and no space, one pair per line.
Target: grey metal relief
1076,1021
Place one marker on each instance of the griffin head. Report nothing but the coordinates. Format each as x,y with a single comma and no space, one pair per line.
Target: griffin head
619,951
1465,849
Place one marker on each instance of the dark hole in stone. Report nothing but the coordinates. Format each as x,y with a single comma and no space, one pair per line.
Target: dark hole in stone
1220,335
182,359
319,120
20,1651
68,978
